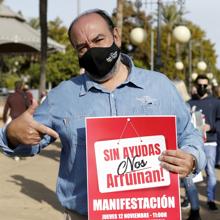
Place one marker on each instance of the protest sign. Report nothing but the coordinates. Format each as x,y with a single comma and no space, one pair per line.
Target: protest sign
125,179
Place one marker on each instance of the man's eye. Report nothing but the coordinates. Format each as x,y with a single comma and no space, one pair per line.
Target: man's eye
100,39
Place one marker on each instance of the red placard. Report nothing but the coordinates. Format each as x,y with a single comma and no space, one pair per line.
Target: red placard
124,177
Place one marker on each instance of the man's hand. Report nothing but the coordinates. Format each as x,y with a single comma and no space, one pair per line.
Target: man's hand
177,161
25,130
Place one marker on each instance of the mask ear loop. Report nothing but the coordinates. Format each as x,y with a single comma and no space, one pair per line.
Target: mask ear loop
128,122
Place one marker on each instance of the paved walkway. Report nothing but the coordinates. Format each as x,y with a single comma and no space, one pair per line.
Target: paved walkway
27,188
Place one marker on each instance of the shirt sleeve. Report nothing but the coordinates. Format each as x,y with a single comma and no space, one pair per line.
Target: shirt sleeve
189,139
42,115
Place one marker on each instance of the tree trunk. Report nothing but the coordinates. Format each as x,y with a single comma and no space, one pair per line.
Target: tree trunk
119,16
43,52
168,45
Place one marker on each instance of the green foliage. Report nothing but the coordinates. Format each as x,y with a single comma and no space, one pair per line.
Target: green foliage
171,15
62,66
140,53
34,72
10,80
34,23
57,31
202,48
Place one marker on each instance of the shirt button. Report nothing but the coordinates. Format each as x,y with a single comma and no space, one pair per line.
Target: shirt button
112,95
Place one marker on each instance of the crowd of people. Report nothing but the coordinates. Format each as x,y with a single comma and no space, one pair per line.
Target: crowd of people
204,106
110,85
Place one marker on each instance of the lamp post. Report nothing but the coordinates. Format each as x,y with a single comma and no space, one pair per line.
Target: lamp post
194,76
201,65
179,65
158,60
158,63
183,35
214,82
138,35
210,75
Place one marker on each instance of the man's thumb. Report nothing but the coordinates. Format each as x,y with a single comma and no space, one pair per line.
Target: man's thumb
31,109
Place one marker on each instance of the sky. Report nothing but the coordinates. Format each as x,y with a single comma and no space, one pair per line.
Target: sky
203,13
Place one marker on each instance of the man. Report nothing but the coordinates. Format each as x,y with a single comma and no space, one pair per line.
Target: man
28,93
16,103
111,86
210,107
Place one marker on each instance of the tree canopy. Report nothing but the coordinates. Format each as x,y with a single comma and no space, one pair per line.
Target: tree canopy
62,66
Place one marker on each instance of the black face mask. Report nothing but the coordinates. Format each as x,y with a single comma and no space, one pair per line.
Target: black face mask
201,90
99,61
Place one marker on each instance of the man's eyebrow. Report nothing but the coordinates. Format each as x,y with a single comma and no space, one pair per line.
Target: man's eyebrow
97,37
78,46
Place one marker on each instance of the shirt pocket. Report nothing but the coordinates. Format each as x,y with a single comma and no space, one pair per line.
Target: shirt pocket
150,108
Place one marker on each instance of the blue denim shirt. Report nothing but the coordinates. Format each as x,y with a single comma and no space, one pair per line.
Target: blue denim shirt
143,93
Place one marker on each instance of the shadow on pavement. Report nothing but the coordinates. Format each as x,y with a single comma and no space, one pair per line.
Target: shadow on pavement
37,191
52,154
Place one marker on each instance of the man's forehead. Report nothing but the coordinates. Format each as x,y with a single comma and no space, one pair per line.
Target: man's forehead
202,81
88,26
89,19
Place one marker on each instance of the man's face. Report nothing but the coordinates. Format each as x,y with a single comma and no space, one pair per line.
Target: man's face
201,86
202,83
92,31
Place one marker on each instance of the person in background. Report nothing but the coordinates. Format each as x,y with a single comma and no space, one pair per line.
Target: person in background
28,94
111,86
191,198
17,102
210,107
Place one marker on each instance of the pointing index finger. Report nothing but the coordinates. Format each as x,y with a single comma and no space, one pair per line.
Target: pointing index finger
46,130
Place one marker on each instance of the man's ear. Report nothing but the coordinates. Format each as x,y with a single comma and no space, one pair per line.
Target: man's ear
117,37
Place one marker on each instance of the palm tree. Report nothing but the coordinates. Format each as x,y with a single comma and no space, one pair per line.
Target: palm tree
43,54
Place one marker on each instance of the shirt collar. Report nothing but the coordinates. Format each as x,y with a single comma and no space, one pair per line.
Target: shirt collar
133,72
132,77
88,84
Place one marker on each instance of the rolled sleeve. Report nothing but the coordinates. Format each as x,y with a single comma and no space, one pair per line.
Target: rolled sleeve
4,142
21,150
198,155
42,116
